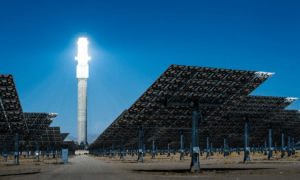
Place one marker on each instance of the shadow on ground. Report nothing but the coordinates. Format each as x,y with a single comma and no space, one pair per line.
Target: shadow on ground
15,174
202,169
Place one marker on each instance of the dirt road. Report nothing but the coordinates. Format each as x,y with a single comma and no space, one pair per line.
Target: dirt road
81,167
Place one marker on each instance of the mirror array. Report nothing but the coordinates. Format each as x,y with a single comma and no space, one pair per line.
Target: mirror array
184,84
164,112
11,113
20,131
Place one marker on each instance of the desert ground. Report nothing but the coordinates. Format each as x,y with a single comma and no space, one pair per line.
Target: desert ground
162,167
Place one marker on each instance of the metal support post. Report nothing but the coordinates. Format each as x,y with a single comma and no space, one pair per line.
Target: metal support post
186,151
181,146
191,150
57,155
226,153
265,148
168,149
113,150
293,146
144,150
132,152
53,152
289,146
195,163
5,152
27,154
16,159
140,144
201,151
228,148
275,148
246,143
121,149
211,149
153,149
47,152
37,157
207,147
270,156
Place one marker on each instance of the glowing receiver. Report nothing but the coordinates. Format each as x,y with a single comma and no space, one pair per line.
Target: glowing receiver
82,58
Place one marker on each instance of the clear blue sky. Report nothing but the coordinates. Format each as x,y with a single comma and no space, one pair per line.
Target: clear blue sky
133,42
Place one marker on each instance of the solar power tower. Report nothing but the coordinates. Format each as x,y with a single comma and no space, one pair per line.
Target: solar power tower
82,76
181,96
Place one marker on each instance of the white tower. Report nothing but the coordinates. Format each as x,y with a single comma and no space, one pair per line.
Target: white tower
82,75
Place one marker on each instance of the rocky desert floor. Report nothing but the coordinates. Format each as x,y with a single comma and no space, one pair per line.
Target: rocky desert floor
162,167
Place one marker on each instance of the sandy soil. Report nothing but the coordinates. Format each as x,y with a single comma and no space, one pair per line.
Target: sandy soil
162,167
27,166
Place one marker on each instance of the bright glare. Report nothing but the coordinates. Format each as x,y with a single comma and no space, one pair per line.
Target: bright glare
82,56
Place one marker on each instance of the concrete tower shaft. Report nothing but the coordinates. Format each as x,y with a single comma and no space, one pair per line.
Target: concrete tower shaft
82,110
82,74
